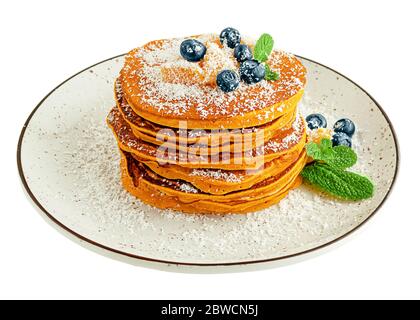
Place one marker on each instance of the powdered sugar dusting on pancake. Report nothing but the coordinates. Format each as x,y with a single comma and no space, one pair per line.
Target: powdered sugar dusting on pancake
142,78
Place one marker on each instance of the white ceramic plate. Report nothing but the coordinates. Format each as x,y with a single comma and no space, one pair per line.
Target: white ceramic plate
68,162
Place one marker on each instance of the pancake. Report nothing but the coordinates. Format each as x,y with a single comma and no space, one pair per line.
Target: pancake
175,194
157,134
286,141
221,182
204,106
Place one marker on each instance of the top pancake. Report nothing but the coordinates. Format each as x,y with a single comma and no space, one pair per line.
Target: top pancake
202,104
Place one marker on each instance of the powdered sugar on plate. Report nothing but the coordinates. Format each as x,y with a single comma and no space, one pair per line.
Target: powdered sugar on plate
301,218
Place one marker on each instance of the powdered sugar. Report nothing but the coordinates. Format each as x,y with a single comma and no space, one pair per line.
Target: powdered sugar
217,175
188,188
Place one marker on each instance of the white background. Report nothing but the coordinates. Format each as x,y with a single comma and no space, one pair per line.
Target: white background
375,43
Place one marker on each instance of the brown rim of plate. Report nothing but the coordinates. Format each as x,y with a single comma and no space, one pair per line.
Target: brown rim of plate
74,233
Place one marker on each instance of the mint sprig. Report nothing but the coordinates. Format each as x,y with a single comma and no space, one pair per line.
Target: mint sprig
339,157
328,173
262,51
343,184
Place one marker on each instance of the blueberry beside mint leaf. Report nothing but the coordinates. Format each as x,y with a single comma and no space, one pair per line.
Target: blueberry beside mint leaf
341,139
252,71
346,126
316,121
227,80
192,50
231,37
242,53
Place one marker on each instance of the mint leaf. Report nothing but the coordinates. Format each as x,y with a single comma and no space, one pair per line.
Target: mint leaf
322,151
326,144
340,157
263,47
271,75
314,151
344,157
343,184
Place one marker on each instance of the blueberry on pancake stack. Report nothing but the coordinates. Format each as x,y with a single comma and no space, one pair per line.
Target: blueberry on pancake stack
209,124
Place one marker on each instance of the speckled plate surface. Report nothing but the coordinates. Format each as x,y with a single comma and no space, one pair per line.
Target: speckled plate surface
68,162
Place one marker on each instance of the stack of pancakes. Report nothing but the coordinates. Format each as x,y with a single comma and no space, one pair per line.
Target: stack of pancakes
188,146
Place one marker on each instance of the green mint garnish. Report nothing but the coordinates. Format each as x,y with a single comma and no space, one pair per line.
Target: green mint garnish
271,75
343,184
327,172
262,51
263,47
339,157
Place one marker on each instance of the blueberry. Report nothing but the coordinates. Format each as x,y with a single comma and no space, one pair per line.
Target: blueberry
346,126
316,121
231,36
252,71
192,50
242,52
228,80
341,139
